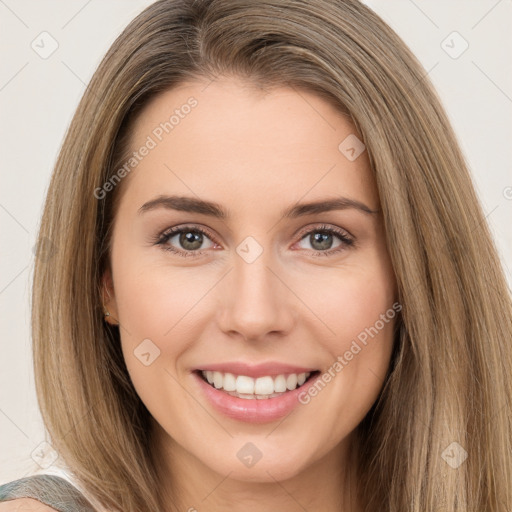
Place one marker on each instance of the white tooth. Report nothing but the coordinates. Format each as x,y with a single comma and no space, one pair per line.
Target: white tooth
217,379
280,384
291,381
264,386
244,385
260,388
229,382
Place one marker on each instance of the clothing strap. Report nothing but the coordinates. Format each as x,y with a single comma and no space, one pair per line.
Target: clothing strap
54,491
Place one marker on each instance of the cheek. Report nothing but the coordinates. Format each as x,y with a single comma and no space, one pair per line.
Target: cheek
358,306
360,312
153,300
154,306
156,311
351,301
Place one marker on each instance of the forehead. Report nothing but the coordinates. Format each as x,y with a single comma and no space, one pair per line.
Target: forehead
232,136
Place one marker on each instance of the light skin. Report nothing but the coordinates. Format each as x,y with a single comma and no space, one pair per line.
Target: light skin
255,154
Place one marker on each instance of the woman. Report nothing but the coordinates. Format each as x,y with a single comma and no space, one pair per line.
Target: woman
191,353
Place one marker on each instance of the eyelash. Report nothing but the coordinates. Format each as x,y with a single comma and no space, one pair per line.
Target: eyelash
165,236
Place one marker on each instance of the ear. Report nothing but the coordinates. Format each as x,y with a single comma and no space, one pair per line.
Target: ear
108,298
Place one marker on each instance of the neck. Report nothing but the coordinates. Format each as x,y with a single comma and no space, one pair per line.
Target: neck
328,484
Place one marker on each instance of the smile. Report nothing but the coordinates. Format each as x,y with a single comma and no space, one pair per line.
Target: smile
254,394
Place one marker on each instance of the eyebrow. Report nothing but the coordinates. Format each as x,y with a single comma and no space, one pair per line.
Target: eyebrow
212,209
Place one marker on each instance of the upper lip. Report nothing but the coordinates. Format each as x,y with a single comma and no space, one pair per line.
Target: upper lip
271,368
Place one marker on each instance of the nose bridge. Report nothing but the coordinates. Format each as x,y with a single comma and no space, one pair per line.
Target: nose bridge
256,302
253,281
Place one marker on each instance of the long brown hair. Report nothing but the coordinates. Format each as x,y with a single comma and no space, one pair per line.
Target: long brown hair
448,388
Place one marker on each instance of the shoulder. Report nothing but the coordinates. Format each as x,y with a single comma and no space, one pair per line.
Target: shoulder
24,505
42,493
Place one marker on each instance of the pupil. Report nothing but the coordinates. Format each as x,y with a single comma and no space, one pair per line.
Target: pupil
323,239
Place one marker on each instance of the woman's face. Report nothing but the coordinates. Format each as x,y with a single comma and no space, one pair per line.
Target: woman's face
280,272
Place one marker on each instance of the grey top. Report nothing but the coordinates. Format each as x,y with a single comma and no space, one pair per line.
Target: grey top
54,491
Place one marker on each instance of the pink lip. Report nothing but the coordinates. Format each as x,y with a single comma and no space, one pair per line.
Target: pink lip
253,410
273,369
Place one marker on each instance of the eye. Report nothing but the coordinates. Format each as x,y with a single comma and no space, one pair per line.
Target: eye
322,238
189,240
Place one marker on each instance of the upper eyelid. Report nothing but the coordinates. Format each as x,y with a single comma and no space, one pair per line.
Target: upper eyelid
321,227
171,232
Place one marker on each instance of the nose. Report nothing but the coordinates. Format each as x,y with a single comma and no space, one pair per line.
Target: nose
256,304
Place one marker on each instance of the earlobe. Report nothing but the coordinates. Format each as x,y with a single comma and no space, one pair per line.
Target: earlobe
108,299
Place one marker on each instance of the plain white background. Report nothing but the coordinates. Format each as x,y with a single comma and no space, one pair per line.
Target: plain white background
38,97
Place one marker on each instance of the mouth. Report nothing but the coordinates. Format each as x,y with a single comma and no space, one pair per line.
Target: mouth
265,387
254,393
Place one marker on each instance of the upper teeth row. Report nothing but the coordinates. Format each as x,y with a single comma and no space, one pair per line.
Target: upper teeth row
260,386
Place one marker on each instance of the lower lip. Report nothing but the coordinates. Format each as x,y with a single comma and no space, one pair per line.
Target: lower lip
253,410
